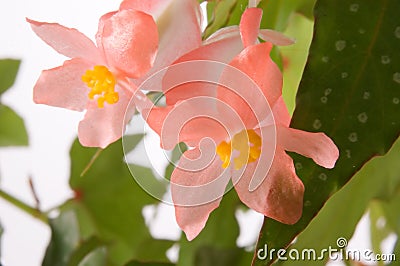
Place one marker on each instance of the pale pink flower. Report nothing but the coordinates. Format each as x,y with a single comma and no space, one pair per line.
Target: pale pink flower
242,153
102,79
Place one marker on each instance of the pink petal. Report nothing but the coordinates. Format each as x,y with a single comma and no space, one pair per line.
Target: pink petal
223,33
63,86
317,146
189,121
180,33
222,51
250,25
250,101
102,126
197,186
129,39
280,113
66,41
275,37
280,195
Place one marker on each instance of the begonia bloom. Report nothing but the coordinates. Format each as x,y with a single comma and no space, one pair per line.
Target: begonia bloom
103,78
203,172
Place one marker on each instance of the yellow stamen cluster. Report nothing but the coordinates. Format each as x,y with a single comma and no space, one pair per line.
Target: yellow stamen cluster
102,82
247,142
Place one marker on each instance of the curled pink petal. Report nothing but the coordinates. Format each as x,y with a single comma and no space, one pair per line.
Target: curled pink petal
275,37
130,40
102,126
197,186
280,195
250,25
66,41
317,146
63,86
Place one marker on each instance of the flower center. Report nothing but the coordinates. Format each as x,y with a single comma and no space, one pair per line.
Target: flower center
102,82
246,142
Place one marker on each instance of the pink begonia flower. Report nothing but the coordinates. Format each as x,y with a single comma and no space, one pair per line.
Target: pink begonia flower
203,172
103,79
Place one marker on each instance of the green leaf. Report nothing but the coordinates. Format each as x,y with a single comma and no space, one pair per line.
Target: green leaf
139,263
295,56
378,179
219,235
277,13
12,130
219,16
350,90
97,257
8,73
1,233
83,250
210,256
64,238
113,201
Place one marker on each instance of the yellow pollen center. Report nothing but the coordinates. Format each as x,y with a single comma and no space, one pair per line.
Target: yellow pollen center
246,142
102,82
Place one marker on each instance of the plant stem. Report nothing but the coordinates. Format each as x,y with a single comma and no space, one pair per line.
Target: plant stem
36,213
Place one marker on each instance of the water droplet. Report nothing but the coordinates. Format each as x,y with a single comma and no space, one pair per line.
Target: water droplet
397,32
328,91
366,95
396,100
307,203
362,117
381,223
317,124
323,177
396,77
385,59
353,137
298,166
354,46
340,45
344,75
324,99
348,154
325,59
361,31
354,7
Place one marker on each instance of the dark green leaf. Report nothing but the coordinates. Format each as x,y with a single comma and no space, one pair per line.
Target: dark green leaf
139,263
378,179
97,257
112,199
12,130
210,256
8,73
64,239
130,141
351,91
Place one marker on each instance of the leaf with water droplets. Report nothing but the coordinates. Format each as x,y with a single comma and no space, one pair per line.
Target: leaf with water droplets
354,53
